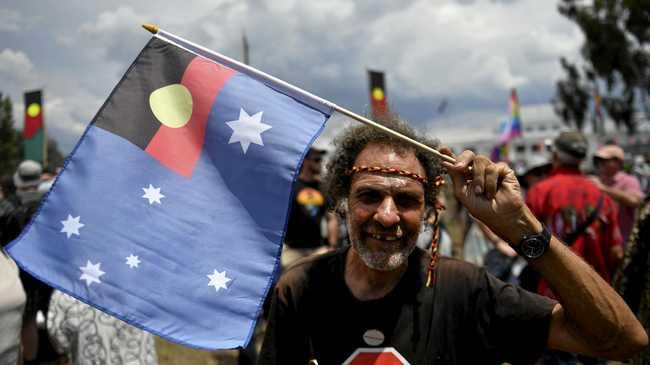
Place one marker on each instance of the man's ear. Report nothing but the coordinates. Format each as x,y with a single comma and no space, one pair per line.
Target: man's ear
341,208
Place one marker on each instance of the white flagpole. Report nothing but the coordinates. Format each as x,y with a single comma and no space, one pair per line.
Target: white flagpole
283,85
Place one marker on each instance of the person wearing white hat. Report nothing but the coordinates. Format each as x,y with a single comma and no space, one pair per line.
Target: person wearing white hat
26,179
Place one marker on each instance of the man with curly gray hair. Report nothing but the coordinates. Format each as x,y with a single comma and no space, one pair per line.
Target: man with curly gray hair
384,301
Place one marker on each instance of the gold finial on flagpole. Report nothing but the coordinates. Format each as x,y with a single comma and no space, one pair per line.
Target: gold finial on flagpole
153,28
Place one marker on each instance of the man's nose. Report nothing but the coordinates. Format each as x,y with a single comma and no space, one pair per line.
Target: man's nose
387,214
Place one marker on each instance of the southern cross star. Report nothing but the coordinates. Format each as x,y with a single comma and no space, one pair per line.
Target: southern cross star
152,194
91,273
132,261
218,279
247,129
71,225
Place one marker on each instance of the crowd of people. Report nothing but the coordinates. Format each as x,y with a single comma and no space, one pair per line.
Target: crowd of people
552,269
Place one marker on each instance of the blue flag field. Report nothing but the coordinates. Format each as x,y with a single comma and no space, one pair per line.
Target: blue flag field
171,210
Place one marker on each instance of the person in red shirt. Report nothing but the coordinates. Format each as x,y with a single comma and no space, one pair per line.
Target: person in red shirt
576,210
578,213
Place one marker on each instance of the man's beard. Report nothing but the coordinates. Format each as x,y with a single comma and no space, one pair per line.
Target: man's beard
391,256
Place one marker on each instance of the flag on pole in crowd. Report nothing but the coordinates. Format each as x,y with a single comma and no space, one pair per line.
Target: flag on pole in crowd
598,119
499,153
378,102
34,139
245,49
171,211
511,128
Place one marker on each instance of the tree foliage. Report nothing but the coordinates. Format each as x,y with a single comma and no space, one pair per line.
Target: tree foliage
10,139
616,55
54,156
572,99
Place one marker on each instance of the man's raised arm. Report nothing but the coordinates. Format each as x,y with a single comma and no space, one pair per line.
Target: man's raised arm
591,318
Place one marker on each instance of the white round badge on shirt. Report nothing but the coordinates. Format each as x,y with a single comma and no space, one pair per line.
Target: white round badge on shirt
373,337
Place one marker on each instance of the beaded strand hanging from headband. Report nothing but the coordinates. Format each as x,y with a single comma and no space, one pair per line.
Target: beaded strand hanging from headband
435,240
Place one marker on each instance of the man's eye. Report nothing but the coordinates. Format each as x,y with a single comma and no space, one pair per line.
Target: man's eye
370,197
407,201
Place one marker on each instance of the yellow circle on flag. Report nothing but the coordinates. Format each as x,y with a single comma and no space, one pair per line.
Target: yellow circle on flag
33,110
378,93
171,105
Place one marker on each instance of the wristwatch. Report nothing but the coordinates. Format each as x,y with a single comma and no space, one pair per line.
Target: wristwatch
533,246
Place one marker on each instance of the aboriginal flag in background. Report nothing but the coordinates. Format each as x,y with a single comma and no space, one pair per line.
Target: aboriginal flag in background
377,93
34,130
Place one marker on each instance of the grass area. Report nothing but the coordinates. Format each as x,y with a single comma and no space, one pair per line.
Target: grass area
170,353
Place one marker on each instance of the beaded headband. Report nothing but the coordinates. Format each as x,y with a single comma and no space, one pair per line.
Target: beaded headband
439,180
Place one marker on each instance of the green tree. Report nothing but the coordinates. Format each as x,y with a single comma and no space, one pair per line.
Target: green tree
10,139
572,99
616,55
54,157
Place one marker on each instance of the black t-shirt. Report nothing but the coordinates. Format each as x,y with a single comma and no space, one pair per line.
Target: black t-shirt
466,317
307,212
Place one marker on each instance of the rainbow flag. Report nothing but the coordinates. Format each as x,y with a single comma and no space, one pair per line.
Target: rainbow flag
499,153
511,128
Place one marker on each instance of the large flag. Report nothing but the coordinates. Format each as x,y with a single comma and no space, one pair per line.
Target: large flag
511,128
171,210
34,128
377,88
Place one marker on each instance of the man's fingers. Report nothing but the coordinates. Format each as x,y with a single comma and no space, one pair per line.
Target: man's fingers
465,159
446,150
491,180
493,174
458,183
478,174
457,171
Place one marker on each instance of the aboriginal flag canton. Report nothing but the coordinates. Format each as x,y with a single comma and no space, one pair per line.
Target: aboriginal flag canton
171,211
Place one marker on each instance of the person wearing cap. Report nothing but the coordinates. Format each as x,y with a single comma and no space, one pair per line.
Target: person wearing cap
624,188
576,211
536,169
26,179
303,237
383,300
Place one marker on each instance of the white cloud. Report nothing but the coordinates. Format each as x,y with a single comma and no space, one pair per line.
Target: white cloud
16,70
449,48
112,36
470,52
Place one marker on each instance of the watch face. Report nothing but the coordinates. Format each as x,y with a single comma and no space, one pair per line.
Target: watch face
532,248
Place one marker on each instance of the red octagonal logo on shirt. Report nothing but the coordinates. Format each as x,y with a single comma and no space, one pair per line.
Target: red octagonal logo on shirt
376,356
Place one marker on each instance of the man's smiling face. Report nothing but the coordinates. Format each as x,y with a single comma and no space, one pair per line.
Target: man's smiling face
385,211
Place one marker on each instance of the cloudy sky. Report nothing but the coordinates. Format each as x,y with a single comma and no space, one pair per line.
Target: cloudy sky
469,52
